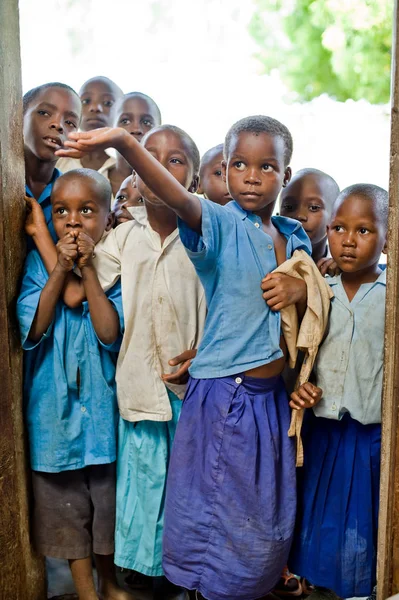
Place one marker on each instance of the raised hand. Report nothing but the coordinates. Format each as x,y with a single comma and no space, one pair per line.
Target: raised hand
35,220
98,139
306,396
86,248
67,251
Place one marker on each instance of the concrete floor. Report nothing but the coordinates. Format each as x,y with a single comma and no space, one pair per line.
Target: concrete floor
60,585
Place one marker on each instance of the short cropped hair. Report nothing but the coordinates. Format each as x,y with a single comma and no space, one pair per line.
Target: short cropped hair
261,124
102,185
210,153
332,187
189,142
34,92
111,84
368,191
148,99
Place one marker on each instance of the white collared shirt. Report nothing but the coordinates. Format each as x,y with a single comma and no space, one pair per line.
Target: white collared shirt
349,365
164,308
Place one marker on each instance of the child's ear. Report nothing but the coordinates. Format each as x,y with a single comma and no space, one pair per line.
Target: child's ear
385,248
134,180
110,221
224,167
194,185
287,176
199,189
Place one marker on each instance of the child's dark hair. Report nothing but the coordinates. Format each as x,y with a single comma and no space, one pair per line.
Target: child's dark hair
111,84
31,94
191,145
211,152
368,191
103,185
261,124
332,187
148,99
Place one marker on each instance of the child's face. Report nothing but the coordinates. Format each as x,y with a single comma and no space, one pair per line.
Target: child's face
50,117
212,183
137,116
255,170
305,200
171,151
76,207
126,197
356,235
97,98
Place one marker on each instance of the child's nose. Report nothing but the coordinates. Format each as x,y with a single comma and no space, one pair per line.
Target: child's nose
252,176
96,107
57,126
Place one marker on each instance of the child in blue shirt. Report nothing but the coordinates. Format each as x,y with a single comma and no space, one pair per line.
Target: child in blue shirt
231,496
335,545
51,111
69,388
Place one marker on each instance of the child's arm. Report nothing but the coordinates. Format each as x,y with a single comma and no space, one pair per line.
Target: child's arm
306,396
36,228
67,251
181,375
186,205
103,315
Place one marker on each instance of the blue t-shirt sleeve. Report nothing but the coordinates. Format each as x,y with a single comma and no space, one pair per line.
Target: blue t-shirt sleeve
205,248
297,238
33,282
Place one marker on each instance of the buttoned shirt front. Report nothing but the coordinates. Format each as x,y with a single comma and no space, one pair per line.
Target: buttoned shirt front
71,410
231,257
164,308
349,365
45,202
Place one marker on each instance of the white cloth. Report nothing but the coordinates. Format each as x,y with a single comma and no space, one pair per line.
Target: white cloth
66,164
164,308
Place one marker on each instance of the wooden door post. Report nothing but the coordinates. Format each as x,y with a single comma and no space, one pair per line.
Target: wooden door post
388,534
21,572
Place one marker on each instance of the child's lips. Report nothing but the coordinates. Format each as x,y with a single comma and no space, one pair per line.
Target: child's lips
53,142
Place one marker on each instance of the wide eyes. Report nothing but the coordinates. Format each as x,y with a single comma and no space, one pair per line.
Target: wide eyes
239,165
121,198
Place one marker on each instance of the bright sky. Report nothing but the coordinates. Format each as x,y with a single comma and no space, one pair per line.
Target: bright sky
196,59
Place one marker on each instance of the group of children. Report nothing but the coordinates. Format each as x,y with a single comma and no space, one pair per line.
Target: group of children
155,405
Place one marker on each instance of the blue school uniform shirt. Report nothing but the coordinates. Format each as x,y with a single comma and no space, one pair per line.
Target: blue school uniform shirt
231,258
45,203
69,385
349,364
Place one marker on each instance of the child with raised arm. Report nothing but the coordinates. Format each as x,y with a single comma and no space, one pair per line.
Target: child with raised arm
69,389
99,96
51,111
335,545
231,497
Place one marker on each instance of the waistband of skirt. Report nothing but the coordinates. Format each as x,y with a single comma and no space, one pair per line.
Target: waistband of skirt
251,384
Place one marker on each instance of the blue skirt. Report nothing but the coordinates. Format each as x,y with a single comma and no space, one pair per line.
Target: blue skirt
335,543
231,490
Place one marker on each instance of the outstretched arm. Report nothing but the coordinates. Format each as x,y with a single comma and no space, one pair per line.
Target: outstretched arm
186,205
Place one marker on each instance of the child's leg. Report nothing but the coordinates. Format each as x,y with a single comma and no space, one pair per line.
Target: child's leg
108,587
82,573
102,485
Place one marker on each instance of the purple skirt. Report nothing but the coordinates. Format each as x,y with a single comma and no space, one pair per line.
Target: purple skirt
231,490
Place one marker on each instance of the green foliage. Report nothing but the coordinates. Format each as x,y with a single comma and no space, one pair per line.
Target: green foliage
338,47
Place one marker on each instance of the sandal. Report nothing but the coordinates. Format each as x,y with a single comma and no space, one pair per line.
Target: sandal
289,585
